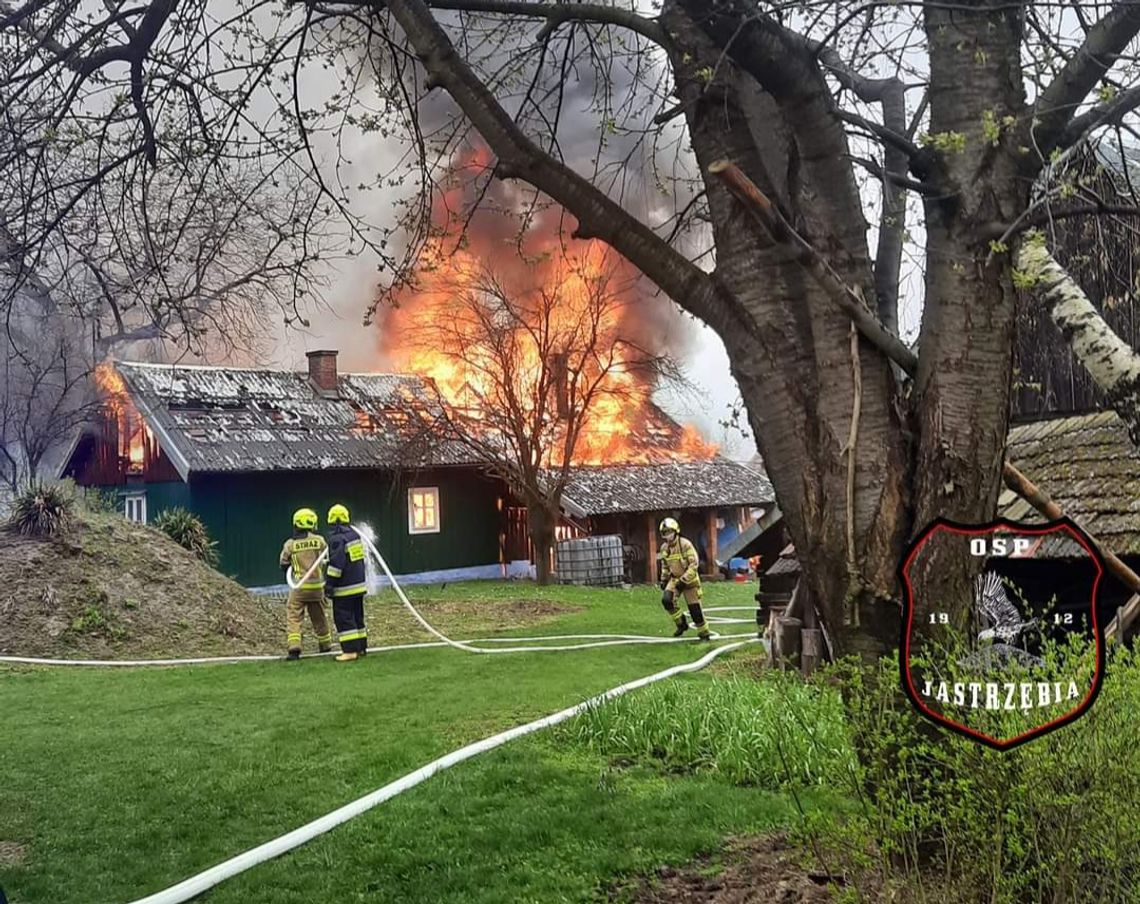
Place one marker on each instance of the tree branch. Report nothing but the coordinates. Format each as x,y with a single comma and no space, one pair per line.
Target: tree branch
521,158
1047,215
1054,109
1108,113
1111,362
876,169
557,14
847,297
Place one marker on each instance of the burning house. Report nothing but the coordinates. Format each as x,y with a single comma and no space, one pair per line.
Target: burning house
244,448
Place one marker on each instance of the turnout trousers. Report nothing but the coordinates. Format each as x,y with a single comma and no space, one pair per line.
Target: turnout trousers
313,601
348,613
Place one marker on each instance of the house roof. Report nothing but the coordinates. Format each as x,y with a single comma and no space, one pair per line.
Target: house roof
228,419
212,419
711,483
1091,470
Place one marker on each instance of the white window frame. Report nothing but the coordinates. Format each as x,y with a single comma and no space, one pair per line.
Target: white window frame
137,502
434,493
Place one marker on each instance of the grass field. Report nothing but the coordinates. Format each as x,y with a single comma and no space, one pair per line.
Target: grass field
115,784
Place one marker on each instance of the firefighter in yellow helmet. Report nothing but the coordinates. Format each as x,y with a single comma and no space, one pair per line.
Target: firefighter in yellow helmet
677,563
346,585
299,553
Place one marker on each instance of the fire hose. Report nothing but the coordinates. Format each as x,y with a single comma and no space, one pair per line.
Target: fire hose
461,645
195,885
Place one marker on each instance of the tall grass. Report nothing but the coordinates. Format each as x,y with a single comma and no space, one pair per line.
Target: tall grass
778,731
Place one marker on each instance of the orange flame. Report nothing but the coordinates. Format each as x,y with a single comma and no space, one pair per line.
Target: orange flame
132,432
622,425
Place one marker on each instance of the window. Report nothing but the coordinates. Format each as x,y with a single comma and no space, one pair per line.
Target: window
423,510
134,507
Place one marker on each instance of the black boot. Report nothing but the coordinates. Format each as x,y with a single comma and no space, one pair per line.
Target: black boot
293,655
682,627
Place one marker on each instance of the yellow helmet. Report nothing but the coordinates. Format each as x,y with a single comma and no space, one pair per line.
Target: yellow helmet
338,514
305,519
670,524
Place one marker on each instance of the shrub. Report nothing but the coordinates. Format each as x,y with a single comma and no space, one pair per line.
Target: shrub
187,530
1050,820
101,501
42,510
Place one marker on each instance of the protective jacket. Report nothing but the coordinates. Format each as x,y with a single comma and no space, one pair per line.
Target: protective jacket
300,551
345,571
680,561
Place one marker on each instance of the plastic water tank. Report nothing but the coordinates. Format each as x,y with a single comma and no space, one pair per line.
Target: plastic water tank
593,561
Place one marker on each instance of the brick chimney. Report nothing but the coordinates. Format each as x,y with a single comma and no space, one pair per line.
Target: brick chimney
322,371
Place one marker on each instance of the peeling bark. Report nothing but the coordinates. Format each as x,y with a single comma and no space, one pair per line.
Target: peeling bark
1111,362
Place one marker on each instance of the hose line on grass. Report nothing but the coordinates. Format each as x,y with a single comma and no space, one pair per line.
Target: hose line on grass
195,885
594,640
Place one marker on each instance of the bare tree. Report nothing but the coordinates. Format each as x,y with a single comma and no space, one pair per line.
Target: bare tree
45,393
526,374
834,114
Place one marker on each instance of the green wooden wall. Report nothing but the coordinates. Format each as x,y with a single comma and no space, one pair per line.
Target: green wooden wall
250,515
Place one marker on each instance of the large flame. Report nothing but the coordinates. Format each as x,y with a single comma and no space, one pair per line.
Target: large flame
622,425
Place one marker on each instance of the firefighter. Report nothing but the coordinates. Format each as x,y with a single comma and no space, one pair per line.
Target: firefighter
299,553
678,573
345,585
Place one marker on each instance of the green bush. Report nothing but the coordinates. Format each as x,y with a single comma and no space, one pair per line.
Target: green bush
187,530
102,501
778,731
1050,820
42,510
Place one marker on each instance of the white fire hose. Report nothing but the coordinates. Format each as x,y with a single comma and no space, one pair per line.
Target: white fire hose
195,885
461,645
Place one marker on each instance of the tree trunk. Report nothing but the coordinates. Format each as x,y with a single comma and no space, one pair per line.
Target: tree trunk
540,523
795,366
963,382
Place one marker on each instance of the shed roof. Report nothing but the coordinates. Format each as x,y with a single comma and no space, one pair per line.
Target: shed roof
1091,470
710,483
212,419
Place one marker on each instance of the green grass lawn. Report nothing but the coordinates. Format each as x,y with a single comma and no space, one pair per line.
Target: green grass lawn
118,783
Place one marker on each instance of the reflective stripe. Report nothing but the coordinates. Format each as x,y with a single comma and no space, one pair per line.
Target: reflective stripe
324,638
333,572
350,635
355,551
293,638
351,589
312,586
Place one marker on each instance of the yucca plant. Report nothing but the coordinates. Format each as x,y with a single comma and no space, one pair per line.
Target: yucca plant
42,510
187,530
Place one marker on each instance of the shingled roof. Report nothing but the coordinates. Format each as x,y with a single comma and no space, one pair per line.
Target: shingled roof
229,419
711,483
1091,470
212,419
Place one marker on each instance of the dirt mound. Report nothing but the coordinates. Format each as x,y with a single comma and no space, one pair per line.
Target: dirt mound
112,589
757,871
